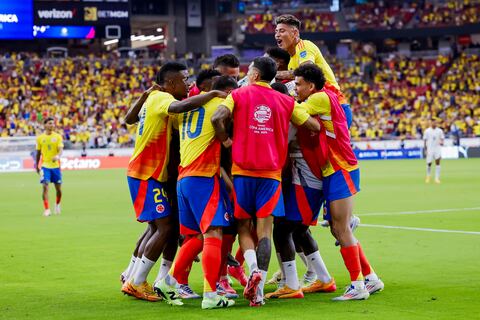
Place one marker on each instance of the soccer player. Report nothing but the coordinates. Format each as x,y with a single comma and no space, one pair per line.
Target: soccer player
49,148
433,138
227,64
334,156
202,206
147,171
287,36
261,117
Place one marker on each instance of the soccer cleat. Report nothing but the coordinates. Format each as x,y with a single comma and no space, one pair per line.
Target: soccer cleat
374,286
309,279
285,293
276,278
257,303
126,289
427,179
217,302
250,291
46,213
143,291
168,293
437,181
353,293
185,292
231,261
58,210
224,286
319,286
123,279
354,222
238,273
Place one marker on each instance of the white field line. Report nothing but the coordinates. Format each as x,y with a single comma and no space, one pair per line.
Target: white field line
419,229
416,212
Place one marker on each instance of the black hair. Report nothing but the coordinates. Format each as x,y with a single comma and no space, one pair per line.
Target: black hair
279,53
48,119
267,68
226,60
280,87
311,73
206,75
224,82
289,19
167,68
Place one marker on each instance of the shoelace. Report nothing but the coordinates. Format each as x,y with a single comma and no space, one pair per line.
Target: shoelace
187,289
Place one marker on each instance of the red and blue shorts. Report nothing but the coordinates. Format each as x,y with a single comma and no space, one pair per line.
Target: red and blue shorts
202,204
149,199
303,204
257,197
340,185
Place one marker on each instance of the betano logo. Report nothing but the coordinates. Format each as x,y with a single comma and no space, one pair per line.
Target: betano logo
8,18
56,14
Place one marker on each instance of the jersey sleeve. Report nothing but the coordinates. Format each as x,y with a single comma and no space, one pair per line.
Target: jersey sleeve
60,141
318,104
300,114
229,102
160,103
306,54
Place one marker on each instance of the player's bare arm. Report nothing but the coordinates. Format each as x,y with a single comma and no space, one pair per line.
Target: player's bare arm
132,114
192,103
37,160
59,154
218,121
312,124
288,75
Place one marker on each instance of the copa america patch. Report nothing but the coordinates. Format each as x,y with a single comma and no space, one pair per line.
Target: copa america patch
303,54
227,216
160,208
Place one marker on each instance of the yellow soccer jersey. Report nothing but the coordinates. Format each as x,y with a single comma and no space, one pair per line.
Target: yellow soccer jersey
152,142
307,51
199,148
49,146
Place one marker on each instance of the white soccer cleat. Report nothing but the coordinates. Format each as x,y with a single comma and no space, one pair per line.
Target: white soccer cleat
276,278
168,293
374,286
185,292
217,302
46,213
58,210
437,181
309,279
353,293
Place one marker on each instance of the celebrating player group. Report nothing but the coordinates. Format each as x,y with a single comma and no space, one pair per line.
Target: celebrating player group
257,158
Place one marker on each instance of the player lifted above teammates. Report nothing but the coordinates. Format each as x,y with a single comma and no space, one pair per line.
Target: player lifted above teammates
433,137
49,149
341,177
147,171
261,118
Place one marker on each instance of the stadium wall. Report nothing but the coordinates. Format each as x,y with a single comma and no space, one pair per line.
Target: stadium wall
97,159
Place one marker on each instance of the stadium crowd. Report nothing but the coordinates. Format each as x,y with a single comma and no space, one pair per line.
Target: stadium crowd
391,97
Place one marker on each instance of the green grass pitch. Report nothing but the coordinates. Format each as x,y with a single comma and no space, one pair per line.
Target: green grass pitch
68,266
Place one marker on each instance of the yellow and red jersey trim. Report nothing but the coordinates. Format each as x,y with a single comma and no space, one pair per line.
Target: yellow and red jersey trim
206,165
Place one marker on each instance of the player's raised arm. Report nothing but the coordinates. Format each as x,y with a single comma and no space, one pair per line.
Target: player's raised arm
132,114
194,102
218,121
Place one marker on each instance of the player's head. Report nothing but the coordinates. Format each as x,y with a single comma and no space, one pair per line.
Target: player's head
308,79
205,79
227,65
225,84
287,31
434,123
173,78
49,123
281,57
280,87
262,69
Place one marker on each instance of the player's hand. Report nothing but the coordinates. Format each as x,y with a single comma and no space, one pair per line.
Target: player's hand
227,143
219,94
38,170
152,88
56,158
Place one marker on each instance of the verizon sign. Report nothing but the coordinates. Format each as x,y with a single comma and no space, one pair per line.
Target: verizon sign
56,14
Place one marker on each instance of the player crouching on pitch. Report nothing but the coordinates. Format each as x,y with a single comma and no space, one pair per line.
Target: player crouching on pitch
341,177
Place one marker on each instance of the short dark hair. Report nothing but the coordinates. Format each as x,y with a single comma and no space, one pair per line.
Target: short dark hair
48,119
226,60
267,68
289,19
280,87
206,75
311,73
279,53
167,68
225,82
